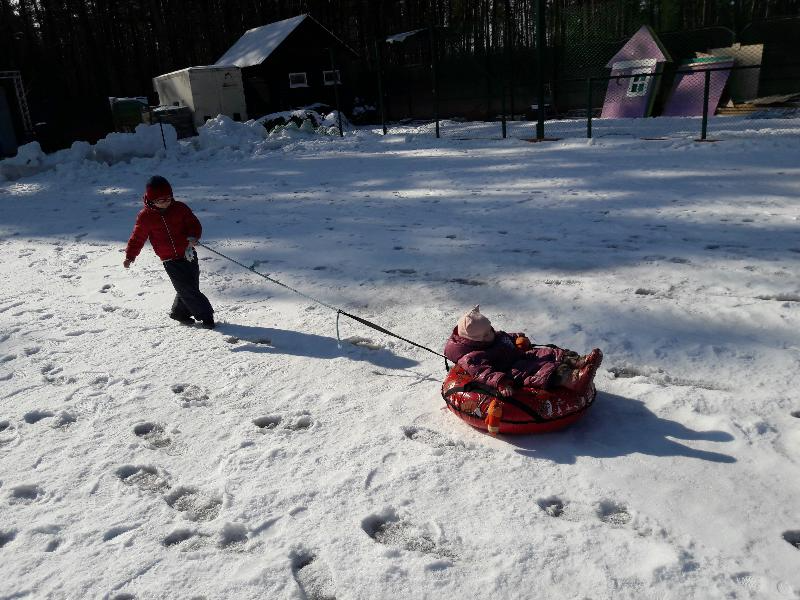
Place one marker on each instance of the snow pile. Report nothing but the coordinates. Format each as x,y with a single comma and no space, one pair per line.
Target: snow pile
145,142
224,132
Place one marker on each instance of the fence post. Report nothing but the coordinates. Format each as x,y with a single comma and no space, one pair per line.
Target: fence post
589,108
161,125
706,89
336,91
434,80
380,83
540,41
503,107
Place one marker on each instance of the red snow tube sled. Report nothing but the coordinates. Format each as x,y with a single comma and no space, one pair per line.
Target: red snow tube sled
529,410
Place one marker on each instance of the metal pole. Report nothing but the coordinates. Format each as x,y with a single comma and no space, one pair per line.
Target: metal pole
336,91
433,72
380,83
540,41
161,125
503,107
589,108
706,89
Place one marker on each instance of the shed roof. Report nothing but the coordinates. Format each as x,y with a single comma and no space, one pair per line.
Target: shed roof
255,46
644,44
258,43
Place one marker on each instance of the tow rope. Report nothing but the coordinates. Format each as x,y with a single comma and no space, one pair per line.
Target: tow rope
339,311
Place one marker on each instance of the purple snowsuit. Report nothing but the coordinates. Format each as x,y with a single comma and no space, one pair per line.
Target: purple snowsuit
491,362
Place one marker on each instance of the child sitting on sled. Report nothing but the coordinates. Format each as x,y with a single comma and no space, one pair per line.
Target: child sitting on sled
507,361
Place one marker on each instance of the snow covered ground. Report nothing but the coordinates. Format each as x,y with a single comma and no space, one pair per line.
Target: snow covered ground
144,459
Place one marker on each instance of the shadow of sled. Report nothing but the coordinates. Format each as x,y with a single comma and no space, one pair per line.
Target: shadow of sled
618,426
266,340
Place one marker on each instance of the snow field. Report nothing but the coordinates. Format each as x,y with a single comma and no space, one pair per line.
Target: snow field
144,459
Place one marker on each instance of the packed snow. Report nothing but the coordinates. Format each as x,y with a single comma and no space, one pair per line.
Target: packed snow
140,458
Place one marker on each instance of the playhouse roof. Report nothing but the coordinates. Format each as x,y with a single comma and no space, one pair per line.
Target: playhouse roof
643,45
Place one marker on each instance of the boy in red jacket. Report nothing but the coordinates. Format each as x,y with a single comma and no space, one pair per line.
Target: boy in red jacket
173,230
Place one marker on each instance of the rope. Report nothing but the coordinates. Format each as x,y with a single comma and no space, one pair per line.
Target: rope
339,311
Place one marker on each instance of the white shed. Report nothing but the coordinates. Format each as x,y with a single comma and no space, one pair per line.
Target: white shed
207,91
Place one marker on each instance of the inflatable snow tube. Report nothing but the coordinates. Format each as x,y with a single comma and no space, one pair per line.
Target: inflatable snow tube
529,410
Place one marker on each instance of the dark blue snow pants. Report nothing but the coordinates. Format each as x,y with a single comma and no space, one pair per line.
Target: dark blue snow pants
189,300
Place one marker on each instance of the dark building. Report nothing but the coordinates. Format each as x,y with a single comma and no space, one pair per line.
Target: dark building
290,64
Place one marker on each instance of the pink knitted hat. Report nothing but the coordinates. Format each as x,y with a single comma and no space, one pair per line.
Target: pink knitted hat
474,326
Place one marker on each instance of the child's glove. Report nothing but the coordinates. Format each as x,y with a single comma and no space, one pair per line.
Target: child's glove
127,263
505,388
523,343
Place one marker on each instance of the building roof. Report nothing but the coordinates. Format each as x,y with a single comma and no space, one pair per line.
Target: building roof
258,43
644,44
255,46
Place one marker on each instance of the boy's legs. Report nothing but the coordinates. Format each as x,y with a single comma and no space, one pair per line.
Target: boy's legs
185,278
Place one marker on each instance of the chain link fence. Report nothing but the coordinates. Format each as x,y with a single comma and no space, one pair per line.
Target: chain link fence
707,84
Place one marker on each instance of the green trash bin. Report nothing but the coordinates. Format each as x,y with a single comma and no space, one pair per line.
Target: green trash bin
127,113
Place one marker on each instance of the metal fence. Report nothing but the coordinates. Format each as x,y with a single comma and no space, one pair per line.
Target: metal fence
708,83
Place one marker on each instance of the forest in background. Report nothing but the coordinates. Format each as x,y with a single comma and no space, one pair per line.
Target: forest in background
74,54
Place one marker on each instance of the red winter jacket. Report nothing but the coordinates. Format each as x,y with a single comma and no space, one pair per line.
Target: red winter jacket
168,231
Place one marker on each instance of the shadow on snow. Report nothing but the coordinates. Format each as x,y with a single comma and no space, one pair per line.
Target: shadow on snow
618,426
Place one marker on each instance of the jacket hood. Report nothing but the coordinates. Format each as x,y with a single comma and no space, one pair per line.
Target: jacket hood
465,342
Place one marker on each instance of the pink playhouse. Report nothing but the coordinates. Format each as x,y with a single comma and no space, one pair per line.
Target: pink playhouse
643,56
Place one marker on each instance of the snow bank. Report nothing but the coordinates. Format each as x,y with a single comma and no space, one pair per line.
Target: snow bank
146,141
218,133
224,132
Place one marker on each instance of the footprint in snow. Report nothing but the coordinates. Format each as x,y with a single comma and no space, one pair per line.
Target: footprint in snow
106,288
462,281
431,438
152,433
146,478
7,536
401,271
46,537
299,421
389,529
193,503
117,531
232,536
184,539
313,576
626,372
64,420
25,494
190,395
795,414
613,513
8,432
35,416
554,506
362,342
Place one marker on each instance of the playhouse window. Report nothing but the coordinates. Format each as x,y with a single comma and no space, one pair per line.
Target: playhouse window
639,82
297,80
331,77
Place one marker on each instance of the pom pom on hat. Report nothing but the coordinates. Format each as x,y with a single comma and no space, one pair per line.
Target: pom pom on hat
476,327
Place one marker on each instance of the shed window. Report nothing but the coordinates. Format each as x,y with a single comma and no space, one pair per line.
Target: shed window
331,77
297,80
639,82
